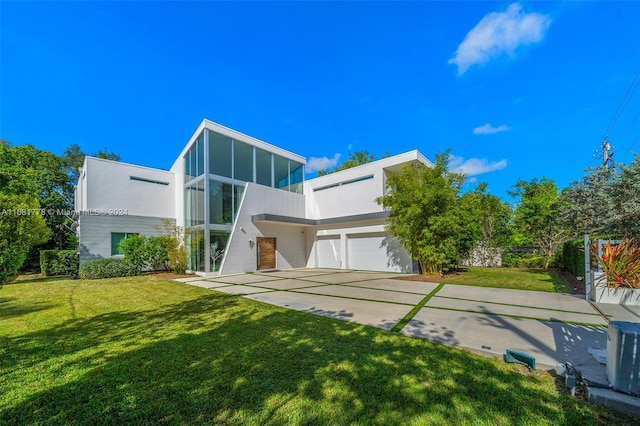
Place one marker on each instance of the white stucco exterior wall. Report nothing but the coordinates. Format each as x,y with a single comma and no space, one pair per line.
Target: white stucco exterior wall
241,255
352,198
108,186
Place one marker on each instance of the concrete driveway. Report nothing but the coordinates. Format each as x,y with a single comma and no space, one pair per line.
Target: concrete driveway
552,327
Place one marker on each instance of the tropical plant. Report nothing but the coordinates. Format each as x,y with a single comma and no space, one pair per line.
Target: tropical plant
427,216
620,263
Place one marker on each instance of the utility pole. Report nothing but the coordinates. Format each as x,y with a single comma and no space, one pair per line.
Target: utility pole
607,153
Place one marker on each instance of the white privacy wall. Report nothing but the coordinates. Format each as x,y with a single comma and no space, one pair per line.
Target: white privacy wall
241,255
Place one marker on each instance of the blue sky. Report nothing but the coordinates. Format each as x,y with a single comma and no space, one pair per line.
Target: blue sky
515,90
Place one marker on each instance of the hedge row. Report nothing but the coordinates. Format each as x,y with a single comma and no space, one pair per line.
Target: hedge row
573,257
59,262
107,268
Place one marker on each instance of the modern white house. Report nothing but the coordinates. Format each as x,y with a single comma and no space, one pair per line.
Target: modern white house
245,206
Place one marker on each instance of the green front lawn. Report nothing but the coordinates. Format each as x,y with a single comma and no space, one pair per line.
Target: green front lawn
514,278
145,350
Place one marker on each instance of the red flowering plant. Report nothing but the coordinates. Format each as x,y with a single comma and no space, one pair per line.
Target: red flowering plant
620,264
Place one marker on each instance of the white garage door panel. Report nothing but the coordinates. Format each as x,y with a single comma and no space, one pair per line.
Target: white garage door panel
377,252
328,250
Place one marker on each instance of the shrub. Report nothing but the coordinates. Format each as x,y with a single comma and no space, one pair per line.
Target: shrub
174,238
573,257
133,248
178,258
106,268
59,262
156,254
620,263
516,259
146,253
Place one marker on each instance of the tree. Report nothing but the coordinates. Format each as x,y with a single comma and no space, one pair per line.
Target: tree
357,158
39,174
21,227
73,159
50,180
626,196
492,217
536,220
605,202
427,216
586,206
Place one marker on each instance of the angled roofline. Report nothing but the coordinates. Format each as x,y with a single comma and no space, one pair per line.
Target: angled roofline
241,137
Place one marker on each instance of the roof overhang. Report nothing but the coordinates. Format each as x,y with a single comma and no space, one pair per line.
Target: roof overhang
300,221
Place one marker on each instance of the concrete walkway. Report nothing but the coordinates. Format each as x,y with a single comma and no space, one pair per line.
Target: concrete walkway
552,327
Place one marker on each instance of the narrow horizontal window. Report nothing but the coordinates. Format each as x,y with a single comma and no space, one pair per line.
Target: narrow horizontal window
157,182
346,182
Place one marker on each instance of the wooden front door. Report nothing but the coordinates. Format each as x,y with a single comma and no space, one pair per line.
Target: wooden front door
266,252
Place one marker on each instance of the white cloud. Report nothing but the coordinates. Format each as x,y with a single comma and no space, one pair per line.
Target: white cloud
499,33
316,164
474,166
488,129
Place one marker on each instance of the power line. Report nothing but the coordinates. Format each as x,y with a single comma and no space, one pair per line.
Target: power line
624,102
628,126
634,142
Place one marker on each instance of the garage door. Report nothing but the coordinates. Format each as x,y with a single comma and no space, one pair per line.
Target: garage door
377,252
328,252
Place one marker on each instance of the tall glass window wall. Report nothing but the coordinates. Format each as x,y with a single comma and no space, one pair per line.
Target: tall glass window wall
216,169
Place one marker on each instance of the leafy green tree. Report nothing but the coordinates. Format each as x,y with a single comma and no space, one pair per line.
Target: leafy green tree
626,196
536,220
491,214
605,202
21,227
73,159
357,158
586,206
427,216
25,169
49,179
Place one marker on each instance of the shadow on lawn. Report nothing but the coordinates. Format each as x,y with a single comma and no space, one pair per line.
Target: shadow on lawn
9,308
216,360
552,276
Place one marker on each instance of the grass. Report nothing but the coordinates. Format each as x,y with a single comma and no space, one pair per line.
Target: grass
145,350
513,278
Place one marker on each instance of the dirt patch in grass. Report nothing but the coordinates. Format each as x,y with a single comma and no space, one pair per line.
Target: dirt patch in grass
577,287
